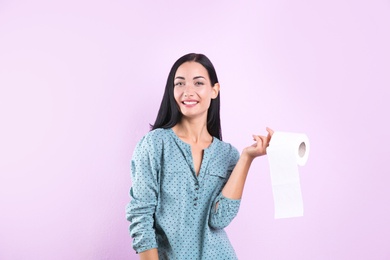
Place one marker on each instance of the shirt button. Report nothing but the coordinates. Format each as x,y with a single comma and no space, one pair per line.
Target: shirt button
197,188
195,204
196,198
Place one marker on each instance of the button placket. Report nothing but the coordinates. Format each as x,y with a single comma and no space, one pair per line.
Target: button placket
196,194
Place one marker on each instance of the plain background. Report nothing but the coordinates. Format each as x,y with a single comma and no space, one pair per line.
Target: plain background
81,80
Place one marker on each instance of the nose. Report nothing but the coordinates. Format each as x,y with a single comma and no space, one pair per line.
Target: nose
188,94
188,91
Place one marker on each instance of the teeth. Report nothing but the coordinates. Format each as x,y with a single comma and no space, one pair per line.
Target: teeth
190,102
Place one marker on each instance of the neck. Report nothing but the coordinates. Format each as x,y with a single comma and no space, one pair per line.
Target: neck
193,131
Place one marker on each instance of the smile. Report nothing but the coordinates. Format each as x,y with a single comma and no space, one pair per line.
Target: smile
190,102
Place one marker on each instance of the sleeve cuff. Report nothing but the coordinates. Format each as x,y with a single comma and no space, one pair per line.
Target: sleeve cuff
225,212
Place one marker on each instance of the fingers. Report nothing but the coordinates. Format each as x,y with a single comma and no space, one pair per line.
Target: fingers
270,133
269,130
257,139
261,141
264,140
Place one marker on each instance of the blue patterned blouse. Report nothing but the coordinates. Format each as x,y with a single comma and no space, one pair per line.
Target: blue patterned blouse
174,210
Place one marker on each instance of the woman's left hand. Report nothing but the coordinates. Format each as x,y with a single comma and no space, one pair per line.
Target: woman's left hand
259,148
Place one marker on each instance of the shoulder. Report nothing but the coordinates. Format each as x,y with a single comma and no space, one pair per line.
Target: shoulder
157,134
227,148
154,138
227,153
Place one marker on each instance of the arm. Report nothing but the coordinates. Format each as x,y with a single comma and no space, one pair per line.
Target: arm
144,194
235,185
225,206
151,254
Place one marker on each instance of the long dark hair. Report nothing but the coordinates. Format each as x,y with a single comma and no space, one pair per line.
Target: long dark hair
169,114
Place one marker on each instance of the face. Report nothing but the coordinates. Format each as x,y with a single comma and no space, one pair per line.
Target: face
193,91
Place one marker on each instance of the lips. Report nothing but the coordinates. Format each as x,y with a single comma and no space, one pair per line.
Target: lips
189,102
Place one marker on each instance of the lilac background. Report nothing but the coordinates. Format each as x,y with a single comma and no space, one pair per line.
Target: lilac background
81,80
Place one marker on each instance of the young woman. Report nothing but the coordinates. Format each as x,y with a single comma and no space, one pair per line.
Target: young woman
186,182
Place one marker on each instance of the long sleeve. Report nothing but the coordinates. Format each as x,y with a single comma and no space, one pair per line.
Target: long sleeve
224,210
144,196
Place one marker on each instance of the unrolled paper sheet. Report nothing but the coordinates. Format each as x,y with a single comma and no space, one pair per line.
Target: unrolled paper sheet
285,152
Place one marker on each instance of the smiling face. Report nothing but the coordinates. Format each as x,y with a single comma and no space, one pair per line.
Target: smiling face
193,90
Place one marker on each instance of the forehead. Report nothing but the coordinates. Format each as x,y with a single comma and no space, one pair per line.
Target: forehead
191,69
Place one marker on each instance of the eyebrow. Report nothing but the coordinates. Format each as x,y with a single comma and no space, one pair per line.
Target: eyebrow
197,77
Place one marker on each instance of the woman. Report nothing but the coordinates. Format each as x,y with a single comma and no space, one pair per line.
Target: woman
186,182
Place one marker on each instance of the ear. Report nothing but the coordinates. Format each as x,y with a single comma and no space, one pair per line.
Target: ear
216,89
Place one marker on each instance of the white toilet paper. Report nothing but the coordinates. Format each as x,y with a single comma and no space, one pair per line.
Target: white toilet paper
285,152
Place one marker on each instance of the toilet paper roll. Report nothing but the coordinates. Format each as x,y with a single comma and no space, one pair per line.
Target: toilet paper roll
285,152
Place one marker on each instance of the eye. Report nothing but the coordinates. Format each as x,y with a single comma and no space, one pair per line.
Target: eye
199,83
178,84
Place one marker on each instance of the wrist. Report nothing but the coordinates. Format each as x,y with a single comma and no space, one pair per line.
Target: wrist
246,158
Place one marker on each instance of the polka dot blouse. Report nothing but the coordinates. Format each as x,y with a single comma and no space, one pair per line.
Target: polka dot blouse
174,210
